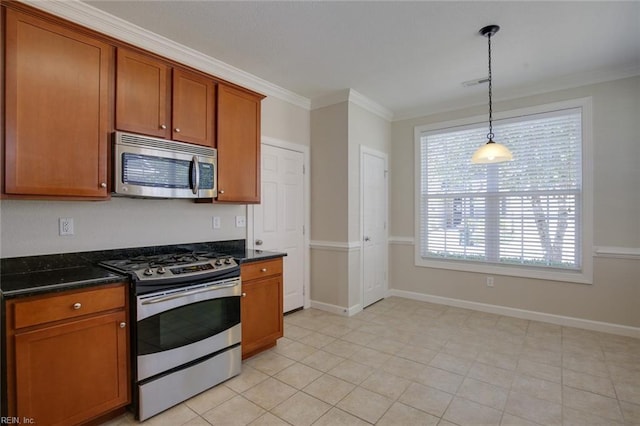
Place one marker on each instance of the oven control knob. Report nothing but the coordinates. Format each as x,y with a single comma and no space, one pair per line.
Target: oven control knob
228,261
148,272
161,270
218,262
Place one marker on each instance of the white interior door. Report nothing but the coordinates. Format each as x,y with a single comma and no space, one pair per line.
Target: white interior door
279,218
373,217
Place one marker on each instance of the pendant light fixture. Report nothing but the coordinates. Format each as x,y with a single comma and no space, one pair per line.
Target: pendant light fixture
491,152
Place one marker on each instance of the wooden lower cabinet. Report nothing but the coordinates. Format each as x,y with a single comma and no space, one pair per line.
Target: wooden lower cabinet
262,318
73,366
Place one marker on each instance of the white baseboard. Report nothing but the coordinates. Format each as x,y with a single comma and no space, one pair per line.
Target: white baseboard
604,327
335,309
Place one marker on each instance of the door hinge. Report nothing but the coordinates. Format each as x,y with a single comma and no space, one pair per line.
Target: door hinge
304,169
303,230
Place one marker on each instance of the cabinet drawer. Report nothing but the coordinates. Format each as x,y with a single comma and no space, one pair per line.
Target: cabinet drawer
67,305
251,271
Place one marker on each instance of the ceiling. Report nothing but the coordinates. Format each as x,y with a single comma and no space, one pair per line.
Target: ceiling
409,57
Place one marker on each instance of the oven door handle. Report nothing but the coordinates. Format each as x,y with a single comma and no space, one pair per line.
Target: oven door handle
188,293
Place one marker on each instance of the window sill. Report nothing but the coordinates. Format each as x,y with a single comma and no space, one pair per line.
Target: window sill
580,277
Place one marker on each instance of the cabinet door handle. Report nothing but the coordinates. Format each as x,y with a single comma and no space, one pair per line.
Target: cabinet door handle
163,126
123,324
263,270
221,191
77,306
103,185
244,294
177,130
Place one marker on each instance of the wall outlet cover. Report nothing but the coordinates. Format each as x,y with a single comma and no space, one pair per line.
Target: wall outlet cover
65,226
241,221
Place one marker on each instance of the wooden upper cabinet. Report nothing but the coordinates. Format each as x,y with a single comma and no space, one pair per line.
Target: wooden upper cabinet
238,143
155,99
57,84
193,108
143,94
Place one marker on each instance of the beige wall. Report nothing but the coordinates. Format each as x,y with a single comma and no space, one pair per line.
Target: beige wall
31,227
285,121
337,133
329,173
614,296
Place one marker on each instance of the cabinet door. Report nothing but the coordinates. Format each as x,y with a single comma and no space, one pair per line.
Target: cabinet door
193,108
57,109
262,321
238,143
143,94
74,371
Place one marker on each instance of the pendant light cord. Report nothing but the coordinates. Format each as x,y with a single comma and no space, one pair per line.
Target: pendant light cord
490,134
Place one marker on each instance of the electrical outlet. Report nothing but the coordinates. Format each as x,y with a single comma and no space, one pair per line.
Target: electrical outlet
241,221
489,281
216,222
65,226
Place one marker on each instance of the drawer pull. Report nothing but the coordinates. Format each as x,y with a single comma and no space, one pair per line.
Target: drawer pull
77,306
123,324
263,270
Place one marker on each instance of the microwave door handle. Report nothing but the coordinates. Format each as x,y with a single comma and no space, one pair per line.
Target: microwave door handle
196,175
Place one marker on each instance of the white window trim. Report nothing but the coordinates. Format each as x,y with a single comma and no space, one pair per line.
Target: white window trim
585,275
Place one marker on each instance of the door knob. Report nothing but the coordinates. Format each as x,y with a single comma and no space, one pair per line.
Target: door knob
258,242
367,239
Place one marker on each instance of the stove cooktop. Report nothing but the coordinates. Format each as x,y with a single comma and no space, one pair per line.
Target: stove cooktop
174,267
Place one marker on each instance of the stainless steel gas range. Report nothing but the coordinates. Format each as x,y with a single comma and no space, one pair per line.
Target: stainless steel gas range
187,337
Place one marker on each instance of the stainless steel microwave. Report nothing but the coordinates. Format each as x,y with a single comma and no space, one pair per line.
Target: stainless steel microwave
151,167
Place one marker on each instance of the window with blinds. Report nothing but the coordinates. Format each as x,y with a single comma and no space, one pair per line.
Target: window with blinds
522,213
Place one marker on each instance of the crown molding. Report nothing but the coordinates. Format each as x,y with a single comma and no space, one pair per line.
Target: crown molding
566,82
100,21
350,95
370,105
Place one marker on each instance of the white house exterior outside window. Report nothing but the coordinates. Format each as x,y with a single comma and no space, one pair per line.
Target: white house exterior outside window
528,217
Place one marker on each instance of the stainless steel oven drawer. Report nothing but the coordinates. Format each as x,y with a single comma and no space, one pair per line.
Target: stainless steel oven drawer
168,390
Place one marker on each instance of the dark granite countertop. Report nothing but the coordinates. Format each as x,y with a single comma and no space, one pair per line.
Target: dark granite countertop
30,275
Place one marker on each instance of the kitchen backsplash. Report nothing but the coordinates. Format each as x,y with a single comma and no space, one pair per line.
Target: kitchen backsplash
34,227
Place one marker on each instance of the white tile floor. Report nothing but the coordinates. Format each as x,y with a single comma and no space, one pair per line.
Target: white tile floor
403,362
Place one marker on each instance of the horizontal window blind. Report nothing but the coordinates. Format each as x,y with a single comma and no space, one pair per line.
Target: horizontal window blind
524,212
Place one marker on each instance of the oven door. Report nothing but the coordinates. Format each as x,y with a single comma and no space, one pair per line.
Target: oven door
177,326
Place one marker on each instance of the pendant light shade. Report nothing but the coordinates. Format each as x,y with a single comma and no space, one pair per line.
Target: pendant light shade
491,152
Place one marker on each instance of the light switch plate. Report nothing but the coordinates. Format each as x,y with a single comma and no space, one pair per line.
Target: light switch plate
216,222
